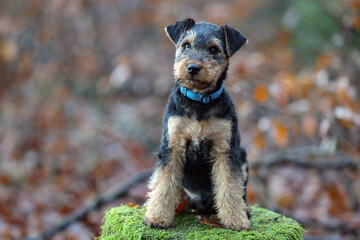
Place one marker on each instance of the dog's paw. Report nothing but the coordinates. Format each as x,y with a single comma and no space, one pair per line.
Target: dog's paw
237,225
157,222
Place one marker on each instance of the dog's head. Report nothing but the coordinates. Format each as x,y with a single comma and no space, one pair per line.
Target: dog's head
202,53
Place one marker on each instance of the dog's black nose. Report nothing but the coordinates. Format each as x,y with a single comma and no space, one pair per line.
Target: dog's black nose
193,68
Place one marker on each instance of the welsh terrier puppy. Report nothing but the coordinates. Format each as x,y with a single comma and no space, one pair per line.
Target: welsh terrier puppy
200,157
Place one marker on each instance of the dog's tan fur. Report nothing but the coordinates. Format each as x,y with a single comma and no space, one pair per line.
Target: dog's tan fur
215,42
190,37
204,81
232,210
182,129
166,192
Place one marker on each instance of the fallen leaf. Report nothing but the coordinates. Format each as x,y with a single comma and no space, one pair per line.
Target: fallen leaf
260,142
323,60
260,94
338,199
212,221
180,207
130,204
8,50
286,201
214,218
309,125
356,23
281,135
356,4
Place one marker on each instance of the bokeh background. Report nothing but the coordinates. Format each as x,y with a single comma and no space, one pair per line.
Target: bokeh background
84,83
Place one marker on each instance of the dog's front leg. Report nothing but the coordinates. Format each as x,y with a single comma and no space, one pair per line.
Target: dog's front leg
166,191
229,190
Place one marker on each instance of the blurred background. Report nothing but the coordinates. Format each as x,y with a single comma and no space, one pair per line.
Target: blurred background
83,87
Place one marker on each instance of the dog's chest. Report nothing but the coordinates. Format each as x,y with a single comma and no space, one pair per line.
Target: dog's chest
183,129
198,142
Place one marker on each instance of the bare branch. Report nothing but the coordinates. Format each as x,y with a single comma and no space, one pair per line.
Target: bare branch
99,201
328,226
310,157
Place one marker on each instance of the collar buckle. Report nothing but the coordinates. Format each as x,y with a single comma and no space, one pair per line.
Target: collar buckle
205,99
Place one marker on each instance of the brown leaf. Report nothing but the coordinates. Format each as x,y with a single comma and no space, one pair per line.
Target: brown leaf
251,195
260,94
356,4
180,207
286,201
4,179
60,146
356,23
284,37
338,198
281,135
212,221
8,50
260,142
309,125
241,70
323,60
214,218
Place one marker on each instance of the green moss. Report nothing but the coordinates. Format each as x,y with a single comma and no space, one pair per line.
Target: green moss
125,222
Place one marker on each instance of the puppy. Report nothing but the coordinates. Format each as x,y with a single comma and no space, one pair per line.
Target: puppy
200,157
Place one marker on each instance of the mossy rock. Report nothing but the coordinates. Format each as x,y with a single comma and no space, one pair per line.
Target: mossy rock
125,222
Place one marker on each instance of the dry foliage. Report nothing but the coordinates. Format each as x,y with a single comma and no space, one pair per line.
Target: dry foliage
83,85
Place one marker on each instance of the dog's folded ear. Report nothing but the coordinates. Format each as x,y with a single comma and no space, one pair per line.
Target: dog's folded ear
234,40
176,31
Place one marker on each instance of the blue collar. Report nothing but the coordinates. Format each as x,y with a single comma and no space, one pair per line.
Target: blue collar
199,97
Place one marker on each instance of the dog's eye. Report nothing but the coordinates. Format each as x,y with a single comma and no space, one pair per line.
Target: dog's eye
186,45
214,50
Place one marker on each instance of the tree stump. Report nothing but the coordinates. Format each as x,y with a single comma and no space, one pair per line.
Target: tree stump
125,222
